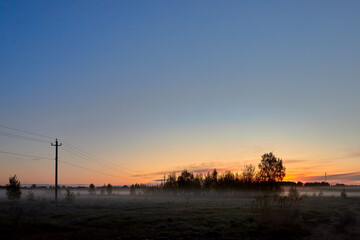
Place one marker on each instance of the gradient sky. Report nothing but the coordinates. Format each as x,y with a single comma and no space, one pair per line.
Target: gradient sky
158,86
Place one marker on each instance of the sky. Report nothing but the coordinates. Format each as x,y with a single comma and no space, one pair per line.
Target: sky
137,89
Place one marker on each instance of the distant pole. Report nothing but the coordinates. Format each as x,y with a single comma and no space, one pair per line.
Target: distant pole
164,179
325,176
56,145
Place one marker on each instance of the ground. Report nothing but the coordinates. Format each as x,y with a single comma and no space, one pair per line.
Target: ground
179,217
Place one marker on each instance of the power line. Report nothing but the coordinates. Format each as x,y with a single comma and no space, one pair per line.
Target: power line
70,151
72,147
93,158
45,158
88,169
25,155
22,137
84,157
24,131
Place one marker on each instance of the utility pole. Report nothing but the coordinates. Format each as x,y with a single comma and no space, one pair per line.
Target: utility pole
164,180
325,176
56,145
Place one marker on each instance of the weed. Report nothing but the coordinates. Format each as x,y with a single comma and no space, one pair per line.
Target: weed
69,196
30,196
343,194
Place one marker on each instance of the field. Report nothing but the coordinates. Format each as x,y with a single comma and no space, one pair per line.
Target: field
217,216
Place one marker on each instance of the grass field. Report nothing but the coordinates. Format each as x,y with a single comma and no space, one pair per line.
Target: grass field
181,217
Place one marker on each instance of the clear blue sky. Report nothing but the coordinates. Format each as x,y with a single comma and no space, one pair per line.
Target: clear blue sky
167,84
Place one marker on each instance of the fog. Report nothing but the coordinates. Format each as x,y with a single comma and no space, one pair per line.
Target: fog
83,193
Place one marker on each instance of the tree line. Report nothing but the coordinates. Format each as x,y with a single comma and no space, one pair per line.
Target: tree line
271,171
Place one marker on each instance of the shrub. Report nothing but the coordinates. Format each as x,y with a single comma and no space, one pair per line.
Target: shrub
69,196
109,189
293,193
343,194
273,212
102,190
92,189
13,190
30,196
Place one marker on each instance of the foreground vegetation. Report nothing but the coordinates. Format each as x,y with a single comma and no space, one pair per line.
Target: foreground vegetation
182,217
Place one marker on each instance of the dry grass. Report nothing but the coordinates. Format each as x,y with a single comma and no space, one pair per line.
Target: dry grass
194,217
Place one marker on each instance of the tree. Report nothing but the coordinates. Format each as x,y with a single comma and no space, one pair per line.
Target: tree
186,179
248,174
92,188
109,188
171,180
13,190
271,168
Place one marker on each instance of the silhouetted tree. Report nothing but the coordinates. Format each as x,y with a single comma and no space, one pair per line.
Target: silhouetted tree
299,184
171,181
227,180
13,190
208,181
248,174
185,180
33,186
92,188
109,188
271,169
214,176
198,181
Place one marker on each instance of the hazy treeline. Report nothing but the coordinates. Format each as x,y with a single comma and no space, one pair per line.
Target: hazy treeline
269,175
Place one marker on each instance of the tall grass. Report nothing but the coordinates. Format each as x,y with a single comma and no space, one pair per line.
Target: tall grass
275,211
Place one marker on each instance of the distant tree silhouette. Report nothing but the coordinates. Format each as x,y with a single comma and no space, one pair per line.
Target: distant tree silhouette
92,188
299,184
186,180
33,186
248,174
198,181
109,188
317,184
171,181
271,169
13,190
227,180
208,181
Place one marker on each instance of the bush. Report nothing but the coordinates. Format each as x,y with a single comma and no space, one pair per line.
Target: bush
69,196
92,189
274,212
13,190
109,189
293,193
343,194
30,196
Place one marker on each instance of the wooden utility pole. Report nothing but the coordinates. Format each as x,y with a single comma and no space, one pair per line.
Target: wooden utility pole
56,145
